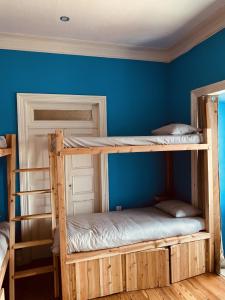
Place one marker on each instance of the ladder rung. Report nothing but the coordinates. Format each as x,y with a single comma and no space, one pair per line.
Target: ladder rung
31,217
34,192
33,272
32,170
32,244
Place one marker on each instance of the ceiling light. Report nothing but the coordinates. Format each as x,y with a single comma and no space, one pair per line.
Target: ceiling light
64,18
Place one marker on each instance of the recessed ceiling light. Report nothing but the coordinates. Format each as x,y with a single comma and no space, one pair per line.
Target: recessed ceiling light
64,18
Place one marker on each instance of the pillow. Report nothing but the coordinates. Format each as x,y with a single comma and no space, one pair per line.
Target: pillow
178,209
3,142
175,129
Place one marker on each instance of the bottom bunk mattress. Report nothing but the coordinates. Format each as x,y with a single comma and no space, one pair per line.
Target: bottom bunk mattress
97,231
4,240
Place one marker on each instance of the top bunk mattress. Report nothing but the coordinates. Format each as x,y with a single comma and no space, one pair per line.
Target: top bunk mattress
97,231
75,142
4,240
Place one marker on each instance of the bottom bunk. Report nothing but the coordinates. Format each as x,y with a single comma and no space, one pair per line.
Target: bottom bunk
133,249
4,254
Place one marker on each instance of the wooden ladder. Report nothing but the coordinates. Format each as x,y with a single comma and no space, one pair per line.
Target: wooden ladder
13,245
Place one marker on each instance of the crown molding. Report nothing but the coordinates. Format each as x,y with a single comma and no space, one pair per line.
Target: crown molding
203,31
78,47
200,33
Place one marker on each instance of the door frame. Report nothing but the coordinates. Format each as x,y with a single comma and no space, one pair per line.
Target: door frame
215,89
24,103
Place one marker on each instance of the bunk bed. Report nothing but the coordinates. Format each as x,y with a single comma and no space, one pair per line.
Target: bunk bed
6,150
139,265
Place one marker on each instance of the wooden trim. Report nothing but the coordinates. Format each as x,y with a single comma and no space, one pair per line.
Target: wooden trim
90,255
80,47
34,192
32,217
32,170
29,244
5,152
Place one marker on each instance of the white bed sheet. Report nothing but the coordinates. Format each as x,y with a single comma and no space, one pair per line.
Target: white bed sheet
73,141
89,232
4,240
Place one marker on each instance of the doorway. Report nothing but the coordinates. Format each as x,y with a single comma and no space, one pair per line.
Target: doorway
86,175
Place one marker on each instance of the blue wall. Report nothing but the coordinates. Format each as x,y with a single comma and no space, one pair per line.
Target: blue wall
136,103
203,65
221,139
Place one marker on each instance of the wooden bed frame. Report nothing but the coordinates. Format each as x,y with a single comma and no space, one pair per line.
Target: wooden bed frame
88,275
9,153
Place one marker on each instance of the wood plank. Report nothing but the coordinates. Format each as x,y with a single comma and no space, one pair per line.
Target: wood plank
188,260
33,272
32,170
29,244
90,255
32,217
147,269
133,149
34,192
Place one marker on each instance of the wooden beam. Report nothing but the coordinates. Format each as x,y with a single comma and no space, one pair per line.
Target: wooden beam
5,152
62,213
133,149
33,272
32,170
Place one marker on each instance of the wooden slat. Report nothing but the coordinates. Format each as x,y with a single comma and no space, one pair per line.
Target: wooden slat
188,260
5,152
34,192
32,170
84,256
33,272
147,269
32,217
29,244
133,149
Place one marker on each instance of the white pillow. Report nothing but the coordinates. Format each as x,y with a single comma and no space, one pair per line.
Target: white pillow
175,129
178,209
3,142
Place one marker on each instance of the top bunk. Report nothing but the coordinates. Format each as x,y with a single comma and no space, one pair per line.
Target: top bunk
5,145
130,144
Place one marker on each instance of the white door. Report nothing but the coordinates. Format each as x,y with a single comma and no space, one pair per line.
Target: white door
86,186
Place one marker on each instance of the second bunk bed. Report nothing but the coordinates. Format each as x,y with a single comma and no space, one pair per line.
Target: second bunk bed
107,253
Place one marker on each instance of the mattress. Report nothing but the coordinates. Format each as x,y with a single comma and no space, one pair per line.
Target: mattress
4,240
89,232
3,143
71,142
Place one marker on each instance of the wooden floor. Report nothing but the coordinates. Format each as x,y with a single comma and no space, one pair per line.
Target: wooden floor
207,286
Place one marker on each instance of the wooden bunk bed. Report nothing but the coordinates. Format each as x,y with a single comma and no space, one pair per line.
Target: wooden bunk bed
149,264
9,153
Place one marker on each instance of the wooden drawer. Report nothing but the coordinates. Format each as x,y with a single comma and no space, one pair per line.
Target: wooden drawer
187,260
147,269
96,278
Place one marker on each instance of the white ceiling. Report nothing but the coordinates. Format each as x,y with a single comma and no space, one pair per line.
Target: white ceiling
146,23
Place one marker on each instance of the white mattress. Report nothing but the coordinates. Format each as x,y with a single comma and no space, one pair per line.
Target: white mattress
108,230
4,240
3,143
70,142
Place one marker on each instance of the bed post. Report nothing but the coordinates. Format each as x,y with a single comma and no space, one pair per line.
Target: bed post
208,187
169,173
11,167
52,167
62,213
